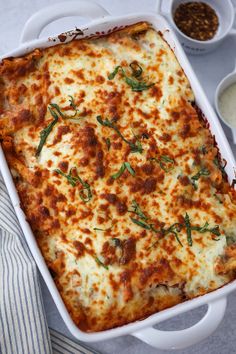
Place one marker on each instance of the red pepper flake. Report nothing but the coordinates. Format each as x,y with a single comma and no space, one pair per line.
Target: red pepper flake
197,20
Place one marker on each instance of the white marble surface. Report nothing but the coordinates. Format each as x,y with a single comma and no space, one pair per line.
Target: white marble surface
210,69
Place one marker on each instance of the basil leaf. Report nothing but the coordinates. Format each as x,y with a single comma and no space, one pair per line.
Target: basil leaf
141,223
54,109
108,143
71,179
203,172
116,241
203,149
189,229
137,210
129,168
120,172
220,166
135,84
63,115
202,229
218,197
46,131
72,104
113,74
99,262
85,194
110,124
124,166
174,229
165,162
136,69
98,229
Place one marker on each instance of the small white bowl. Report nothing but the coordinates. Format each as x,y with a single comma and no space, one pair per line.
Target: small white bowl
223,85
225,12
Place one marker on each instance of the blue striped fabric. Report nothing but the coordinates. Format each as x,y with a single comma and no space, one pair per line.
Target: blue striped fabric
23,325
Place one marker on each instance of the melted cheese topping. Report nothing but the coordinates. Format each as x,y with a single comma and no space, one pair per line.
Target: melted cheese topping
124,251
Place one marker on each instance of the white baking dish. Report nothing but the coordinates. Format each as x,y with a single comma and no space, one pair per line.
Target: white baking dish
216,301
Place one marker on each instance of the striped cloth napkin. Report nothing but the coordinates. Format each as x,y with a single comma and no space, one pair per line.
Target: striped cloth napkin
23,325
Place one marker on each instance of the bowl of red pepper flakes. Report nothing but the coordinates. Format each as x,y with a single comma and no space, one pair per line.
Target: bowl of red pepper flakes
197,20
201,25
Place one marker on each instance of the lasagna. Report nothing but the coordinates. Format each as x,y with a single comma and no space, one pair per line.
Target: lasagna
118,175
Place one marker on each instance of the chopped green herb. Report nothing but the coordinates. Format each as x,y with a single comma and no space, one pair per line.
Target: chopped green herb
220,166
108,143
152,245
113,74
138,143
85,194
98,229
218,198
54,109
203,172
116,241
101,263
165,162
135,84
46,131
177,238
137,210
141,223
144,225
129,168
65,116
189,229
73,105
70,178
124,166
73,178
136,69
203,149
174,229
107,123
202,229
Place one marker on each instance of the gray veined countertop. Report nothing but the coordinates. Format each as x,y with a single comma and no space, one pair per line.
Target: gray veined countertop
210,69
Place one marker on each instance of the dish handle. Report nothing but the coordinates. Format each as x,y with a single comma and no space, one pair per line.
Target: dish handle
187,337
163,8
43,17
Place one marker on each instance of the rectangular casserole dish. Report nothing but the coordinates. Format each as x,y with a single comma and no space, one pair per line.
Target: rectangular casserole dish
149,335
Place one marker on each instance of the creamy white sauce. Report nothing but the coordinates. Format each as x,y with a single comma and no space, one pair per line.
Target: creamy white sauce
227,104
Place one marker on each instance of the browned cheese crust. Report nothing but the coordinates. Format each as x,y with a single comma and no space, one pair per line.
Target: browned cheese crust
118,175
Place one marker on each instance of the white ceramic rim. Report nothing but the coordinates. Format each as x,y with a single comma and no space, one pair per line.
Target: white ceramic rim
218,93
142,329
210,41
226,81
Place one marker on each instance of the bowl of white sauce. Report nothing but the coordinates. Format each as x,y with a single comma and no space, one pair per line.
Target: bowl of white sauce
225,101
